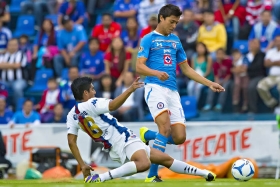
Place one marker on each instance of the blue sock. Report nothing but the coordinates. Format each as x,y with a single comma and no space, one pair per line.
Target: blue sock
160,144
170,140
150,135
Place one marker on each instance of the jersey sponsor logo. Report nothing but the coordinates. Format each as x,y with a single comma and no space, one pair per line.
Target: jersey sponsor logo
160,105
83,114
94,102
141,49
167,60
166,51
174,45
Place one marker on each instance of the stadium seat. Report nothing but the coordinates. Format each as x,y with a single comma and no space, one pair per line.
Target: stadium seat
53,18
41,80
189,106
98,19
25,25
242,45
64,74
15,6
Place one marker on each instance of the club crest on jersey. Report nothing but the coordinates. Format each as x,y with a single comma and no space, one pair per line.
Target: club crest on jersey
167,60
141,49
174,45
160,105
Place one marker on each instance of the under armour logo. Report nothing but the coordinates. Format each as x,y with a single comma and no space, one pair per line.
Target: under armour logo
159,44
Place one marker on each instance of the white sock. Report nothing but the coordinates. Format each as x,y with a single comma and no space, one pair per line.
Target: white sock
184,168
128,168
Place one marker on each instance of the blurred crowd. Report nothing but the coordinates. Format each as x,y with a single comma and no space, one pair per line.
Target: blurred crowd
233,42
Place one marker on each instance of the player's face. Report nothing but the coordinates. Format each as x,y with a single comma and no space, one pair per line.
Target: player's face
254,45
208,18
28,107
200,49
169,23
93,46
266,17
89,94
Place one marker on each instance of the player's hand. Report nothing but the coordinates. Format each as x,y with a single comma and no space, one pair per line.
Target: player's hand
215,87
162,76
86,170
136,85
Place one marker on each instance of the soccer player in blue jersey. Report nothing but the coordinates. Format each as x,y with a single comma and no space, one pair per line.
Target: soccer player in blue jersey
159,53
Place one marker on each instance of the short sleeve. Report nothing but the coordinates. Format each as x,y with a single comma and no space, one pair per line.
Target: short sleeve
100,105
72,126
276,33
268,55
117,6
144,48
181,55
82,34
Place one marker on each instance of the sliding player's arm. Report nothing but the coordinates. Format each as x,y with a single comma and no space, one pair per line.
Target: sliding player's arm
72,142
118,101
143,55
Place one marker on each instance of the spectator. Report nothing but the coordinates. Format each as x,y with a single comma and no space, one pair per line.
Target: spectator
241,80
91,63
45,44
117,61
39,8
148,8
153,21
130,36
187,31
212,34
276,10
272,61
222,76
182,4
26,117
57,115
12,65
256,71
71,42
50,98
266,30
255,8
25,47
76,10
5,114
106,87
202,64
4,12
5,36
131,108
3,152
106,31
228,9
199,6
67,97
124,9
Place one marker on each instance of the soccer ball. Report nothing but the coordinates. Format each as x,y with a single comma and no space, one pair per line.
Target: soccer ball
242,170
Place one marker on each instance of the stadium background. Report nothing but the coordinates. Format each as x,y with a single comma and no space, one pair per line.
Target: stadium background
41,89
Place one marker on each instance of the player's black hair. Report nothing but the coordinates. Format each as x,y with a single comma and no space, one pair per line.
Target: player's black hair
27,100
169,10
221,49
52,80
93,39
209,11
24,36
80,85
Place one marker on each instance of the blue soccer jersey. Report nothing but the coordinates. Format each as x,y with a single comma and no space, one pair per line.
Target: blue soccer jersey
163,53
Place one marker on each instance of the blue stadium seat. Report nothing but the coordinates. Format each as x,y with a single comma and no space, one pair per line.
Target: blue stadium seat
242,45
25,25
53,18
15,6
64,74
98,19
41,80
189,106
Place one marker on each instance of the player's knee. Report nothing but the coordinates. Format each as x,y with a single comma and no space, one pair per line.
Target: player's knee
179,139
143,165
165,130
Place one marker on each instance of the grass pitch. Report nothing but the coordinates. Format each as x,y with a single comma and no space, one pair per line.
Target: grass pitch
140,183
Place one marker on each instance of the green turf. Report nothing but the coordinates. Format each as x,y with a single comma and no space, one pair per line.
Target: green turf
139,183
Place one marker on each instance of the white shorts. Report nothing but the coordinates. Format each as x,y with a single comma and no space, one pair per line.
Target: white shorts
160,99
122,151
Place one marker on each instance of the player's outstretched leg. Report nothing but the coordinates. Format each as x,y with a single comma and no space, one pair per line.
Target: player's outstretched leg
177,166
147,135
139,163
